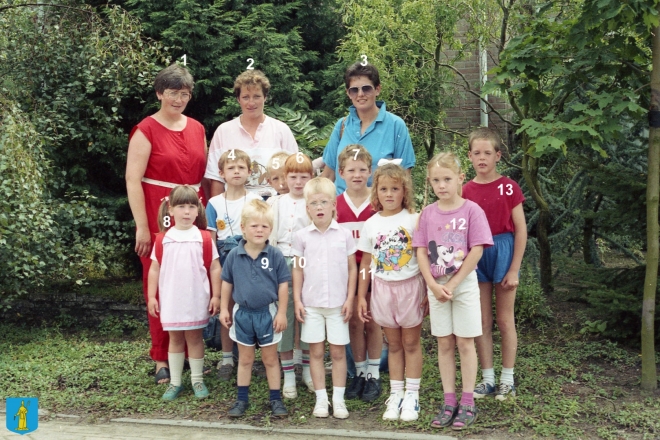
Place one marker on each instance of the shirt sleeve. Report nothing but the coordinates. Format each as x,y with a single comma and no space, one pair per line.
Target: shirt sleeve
227,274
518,196
420,237
215,151
403,147
283,273
478,229
298,247
289,143
211,217
216,255
330,152
364,244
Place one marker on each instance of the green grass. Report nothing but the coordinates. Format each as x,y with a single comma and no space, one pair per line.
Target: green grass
568,386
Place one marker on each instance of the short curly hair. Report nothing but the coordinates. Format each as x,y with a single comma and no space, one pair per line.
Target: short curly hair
251,78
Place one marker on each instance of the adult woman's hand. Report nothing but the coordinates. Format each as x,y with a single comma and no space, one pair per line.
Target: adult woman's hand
142,242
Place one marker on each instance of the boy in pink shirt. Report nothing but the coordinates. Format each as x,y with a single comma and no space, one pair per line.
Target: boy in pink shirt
324,281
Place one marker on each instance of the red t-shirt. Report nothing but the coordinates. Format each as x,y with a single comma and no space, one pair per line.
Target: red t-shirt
352,218
497,199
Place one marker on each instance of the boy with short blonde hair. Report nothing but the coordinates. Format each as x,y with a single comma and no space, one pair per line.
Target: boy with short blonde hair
259,315
276,174
324,254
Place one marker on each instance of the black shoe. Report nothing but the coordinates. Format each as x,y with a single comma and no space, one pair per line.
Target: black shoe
238,409
278,409
372,389
355,389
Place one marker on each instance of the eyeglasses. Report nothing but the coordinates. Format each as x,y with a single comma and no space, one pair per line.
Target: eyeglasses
322,204
366,90
185,96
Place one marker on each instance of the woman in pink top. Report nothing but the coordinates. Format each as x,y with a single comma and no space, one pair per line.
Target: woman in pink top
258,135
165,150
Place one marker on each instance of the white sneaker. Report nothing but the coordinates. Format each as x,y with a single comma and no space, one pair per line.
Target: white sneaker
339,410
410,408
321,409
290,392
393,407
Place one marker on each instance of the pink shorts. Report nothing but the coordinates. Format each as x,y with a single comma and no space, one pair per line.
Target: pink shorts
396,304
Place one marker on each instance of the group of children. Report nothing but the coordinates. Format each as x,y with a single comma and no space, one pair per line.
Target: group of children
344,267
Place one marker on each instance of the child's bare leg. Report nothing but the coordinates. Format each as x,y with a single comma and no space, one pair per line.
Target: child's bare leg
374,339
338,355
272,364
317,369
356,332
195,343
506,322
397,359
227,350
468,356
485,341
447,363
245,361
412,347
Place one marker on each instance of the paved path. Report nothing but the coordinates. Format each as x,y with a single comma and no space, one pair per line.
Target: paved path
141,429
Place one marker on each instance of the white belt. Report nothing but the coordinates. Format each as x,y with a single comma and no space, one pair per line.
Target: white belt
168,184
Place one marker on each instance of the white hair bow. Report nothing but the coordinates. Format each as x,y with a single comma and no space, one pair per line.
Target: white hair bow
382,162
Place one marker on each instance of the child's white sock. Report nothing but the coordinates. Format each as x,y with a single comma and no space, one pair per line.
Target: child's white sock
338,394
306,374
373,368
289,374
176,367
297,357
361,368
196,370
488,375
321,395
396,386
412,386
507,376
227,358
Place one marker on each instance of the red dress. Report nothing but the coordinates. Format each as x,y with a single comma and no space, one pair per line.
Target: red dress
177,157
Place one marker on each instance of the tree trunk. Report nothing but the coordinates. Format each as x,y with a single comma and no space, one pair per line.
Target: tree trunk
649,374
530,169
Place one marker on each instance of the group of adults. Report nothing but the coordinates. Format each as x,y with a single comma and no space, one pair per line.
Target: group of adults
168,149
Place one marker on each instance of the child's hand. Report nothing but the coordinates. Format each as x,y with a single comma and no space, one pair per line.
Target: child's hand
347,308
510,281
152,306
214,305
363,310
279,324
299,310
225,318
441,292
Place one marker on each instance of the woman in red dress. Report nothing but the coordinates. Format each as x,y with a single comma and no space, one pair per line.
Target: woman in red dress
165,149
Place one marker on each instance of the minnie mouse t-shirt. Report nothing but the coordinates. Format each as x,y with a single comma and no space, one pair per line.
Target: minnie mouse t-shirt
449,235
389,240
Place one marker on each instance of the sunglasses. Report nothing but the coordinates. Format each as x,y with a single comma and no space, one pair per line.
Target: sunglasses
366,90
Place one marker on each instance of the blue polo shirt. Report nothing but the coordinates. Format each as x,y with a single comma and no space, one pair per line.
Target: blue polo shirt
255,281
386,138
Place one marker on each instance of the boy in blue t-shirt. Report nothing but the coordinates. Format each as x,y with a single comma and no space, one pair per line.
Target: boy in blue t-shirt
261,297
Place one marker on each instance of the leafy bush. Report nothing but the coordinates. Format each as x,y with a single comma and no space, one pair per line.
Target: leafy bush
531,304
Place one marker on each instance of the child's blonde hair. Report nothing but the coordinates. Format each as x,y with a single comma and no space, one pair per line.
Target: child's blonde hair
350,153
257,209
485,133
298,163
236,155
281,157
398,174
181,195
321,185
447,160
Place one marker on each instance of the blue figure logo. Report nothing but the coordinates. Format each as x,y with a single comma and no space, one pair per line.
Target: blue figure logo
22,414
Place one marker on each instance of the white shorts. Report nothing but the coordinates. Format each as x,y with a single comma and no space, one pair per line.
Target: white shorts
318,319
462,315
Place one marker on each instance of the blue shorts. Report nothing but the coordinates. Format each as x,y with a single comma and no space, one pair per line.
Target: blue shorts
254,326
496,260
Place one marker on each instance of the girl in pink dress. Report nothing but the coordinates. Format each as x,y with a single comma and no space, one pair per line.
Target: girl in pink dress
179,274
